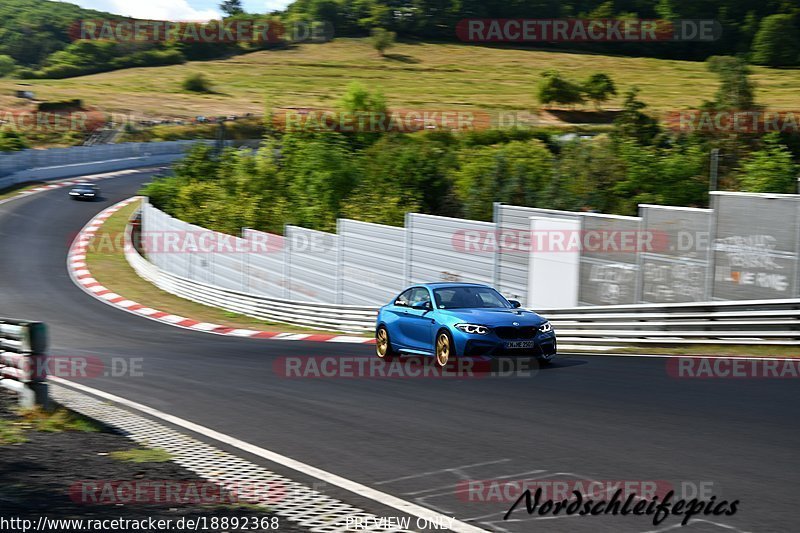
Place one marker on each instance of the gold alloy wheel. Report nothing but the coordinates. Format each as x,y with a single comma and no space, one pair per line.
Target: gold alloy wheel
442,349
382,343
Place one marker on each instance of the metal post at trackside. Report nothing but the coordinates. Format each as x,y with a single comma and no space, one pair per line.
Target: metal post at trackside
713,177
23,361
37,332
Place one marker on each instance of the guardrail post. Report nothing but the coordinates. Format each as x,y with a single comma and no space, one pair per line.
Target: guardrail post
37,338
23,361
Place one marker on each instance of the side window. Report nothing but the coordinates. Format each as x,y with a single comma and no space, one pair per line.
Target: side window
404,299
488,299
420,294
444,297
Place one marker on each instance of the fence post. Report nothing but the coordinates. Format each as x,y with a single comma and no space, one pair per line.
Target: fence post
23,361
497,231
407,262
339,261
37,340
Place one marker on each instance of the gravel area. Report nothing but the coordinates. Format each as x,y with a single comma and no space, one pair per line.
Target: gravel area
48,474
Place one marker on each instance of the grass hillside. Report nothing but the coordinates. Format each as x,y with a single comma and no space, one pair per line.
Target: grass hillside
432,76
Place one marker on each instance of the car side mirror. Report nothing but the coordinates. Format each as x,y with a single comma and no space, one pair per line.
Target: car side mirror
423,306
515,304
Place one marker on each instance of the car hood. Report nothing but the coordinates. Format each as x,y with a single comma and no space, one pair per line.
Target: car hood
495,317
83,189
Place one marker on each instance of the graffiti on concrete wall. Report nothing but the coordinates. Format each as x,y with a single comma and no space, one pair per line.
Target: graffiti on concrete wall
673,281
610,283
750,260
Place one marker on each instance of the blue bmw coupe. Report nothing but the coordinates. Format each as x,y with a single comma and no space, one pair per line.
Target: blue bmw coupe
447,320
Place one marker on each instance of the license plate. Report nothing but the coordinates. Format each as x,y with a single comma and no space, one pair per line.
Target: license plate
520,344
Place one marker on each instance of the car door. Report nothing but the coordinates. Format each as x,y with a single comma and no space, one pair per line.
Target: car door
398,313
418,323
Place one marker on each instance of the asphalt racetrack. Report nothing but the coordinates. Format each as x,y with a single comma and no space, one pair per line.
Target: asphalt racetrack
446,444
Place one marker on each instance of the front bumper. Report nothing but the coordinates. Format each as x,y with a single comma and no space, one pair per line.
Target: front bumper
544,346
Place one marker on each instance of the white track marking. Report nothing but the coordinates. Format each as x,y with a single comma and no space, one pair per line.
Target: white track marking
344,483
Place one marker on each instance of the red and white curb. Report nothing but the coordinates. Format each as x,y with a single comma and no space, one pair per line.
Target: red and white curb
80,274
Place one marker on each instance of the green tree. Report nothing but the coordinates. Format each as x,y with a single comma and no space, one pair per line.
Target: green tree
598,87
11,140
232,7
585,174
555,89
382,39
320,171
196,83
736,91
357,99
776,43
7,65
633,122
770,169
404,173
673,175
517,172
367,110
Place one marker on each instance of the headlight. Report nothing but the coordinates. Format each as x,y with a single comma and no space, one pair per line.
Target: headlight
473,328
74,194
544,328
89,194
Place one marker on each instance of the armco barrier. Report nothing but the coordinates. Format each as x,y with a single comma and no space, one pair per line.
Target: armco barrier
346,318
41,165
768,322
23,346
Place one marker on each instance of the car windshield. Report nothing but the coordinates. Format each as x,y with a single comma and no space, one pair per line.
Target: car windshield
469,297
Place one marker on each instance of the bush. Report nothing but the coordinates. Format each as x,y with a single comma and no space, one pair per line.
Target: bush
776,42
7,65
517,173
770,169
735,90
555,89
11,141
598,87
382,39
196,83
60,105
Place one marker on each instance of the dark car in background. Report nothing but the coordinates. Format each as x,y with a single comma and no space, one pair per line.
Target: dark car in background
84,191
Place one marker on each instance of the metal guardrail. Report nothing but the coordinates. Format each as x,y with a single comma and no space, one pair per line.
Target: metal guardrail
55,163
774,322
346,318
23,360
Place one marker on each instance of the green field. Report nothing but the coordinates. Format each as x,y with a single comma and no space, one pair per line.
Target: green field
420,76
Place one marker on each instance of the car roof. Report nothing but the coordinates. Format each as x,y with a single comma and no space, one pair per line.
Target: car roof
444,284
